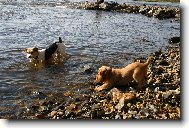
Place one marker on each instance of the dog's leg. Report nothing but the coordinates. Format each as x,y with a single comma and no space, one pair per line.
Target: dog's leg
102,87
142,83
139,77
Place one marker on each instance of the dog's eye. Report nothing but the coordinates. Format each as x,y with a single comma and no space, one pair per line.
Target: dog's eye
31,52
101,73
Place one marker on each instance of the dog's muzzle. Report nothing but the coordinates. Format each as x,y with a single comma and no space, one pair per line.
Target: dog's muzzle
29,56
98,78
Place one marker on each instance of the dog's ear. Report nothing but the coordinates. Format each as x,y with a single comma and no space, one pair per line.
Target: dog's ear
35,49
107,73
106,70
25,50
60,40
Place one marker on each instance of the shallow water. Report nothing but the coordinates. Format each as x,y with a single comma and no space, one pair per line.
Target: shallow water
92,38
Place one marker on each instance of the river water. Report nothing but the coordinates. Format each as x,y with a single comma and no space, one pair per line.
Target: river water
92,38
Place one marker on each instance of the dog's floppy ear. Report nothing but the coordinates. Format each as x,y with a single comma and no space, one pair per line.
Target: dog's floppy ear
107,73
35,49
25,49
105,70
60,40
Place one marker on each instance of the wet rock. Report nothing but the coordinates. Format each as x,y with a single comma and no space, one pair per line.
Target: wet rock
166,95
40,116
44,109
144,10
48,103
165,14
68,93
70,110
107,5
89,6
159,70
157,54
121,103
156,89
88,69
34,108
177,91
120,97
99,1
115,94
144,112
132,112
174,40
53,113
71,107
60,113
150,11
163,63
97,114
118,116
39,95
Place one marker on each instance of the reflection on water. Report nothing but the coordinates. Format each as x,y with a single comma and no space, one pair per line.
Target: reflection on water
92,39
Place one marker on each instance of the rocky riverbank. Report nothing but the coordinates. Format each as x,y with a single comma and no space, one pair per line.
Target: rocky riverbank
160,99
160,12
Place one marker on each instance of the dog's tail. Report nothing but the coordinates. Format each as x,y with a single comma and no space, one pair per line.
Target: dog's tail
149,60
60,40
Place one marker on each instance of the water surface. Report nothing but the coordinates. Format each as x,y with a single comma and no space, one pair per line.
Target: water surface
92,38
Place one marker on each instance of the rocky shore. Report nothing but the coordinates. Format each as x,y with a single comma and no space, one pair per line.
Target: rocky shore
160,99
160,12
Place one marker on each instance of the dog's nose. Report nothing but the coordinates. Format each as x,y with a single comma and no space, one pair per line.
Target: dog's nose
97,83
29,57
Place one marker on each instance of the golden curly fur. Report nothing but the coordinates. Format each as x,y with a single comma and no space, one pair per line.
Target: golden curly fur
110,76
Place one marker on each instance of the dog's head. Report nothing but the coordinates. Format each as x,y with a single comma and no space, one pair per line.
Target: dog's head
103,74
32,53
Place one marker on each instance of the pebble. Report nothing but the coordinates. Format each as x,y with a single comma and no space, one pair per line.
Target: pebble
164,63
53,113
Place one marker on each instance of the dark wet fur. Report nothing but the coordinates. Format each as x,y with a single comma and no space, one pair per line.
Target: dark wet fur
50,50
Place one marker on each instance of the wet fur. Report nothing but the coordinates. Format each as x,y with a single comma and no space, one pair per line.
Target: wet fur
56,49
110,77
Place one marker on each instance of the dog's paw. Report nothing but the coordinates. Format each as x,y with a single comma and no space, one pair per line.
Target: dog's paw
99,88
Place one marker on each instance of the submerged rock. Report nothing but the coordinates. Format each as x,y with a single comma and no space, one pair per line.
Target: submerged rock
39,95
88,69
174,40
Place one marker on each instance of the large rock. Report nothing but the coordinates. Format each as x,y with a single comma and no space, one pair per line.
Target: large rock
165,14
174,40
89,6
107,5
144,10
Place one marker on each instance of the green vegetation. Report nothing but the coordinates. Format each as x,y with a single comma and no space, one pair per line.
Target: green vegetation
161,0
